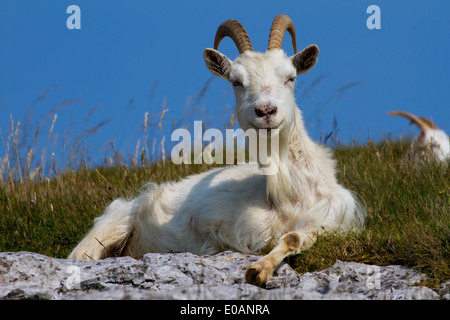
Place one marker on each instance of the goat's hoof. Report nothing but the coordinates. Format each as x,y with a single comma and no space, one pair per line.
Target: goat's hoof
258,275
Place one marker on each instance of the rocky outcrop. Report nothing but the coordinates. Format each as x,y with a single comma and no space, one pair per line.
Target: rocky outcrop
26,275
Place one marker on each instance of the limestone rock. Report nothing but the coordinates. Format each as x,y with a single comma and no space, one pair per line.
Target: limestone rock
26,275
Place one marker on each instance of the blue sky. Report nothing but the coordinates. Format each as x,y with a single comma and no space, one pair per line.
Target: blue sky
132,57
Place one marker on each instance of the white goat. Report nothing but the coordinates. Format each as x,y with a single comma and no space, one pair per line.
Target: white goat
431,140
235,207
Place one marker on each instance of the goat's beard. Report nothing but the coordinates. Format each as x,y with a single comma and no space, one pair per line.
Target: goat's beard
271,151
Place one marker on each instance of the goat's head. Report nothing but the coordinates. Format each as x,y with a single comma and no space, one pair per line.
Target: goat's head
263,83
430,136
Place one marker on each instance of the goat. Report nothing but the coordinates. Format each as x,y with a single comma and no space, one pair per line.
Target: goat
236,207
431,141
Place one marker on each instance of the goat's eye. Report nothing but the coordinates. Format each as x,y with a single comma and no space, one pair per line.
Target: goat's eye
237,83
290,80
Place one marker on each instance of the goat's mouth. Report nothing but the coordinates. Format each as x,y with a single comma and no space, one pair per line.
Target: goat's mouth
268,125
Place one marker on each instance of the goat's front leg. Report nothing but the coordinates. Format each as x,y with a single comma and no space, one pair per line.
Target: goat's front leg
290,244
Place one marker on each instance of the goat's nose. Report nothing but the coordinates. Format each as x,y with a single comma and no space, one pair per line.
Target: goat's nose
266,110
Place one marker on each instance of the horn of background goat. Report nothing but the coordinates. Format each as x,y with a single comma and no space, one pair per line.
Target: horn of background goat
429,122
280,24
423,125
234,30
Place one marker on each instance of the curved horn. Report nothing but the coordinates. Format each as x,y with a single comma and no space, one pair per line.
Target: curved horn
234,30
280,24
423,125
430,123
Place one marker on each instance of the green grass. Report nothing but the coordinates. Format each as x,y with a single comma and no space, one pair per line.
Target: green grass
408,207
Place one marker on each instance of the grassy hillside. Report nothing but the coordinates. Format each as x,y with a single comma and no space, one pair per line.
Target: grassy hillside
408,209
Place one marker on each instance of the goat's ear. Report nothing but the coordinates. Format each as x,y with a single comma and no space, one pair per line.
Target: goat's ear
217,63
304,60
